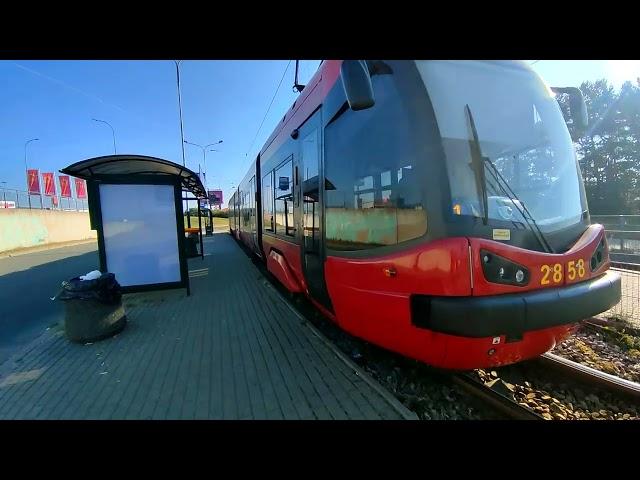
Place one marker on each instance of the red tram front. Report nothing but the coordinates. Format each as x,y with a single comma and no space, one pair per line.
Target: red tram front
434,208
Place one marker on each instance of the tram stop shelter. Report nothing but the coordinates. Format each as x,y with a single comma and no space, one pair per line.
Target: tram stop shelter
135,205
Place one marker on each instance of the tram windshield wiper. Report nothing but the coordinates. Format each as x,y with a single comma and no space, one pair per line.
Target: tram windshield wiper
519,204
478,163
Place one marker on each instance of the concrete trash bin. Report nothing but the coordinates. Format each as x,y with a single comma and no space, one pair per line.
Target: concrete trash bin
93,308
191,243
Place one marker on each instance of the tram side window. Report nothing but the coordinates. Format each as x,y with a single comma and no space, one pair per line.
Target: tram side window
373,170
284,199
267,202
245,211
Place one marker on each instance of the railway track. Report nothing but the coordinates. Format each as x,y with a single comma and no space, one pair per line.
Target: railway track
599,324
506,404
591,376
496,400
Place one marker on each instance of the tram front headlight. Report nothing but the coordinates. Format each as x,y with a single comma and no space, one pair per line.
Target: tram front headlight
599,256
498,269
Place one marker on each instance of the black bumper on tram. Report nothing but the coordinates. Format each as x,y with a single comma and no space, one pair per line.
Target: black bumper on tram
515,313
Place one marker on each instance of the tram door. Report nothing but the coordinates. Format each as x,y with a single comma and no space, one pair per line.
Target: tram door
308,206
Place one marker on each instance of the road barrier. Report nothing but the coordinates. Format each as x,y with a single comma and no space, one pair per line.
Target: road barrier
11,198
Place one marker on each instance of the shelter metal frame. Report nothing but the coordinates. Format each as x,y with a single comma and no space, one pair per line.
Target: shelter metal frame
143,170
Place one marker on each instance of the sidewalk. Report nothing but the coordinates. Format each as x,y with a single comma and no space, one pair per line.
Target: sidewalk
232,350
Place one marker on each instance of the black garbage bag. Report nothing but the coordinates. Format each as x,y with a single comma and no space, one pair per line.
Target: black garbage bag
93,308
104,289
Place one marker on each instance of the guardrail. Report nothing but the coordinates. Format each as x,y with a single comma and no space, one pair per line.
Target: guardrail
623,236
11,198
629,306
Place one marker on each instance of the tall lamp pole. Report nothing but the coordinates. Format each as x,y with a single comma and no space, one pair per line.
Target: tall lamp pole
113,133
26,168
177,62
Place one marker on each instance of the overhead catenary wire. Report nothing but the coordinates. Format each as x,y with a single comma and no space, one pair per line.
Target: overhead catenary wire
267,112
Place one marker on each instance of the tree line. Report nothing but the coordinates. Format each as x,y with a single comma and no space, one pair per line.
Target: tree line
609,151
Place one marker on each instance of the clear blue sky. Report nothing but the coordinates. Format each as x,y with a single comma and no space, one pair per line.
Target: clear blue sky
227,100
221,100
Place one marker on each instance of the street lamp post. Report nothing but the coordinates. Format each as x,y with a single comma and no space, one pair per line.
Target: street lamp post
212,150
112,133
177,62
26,168
204,155
204,161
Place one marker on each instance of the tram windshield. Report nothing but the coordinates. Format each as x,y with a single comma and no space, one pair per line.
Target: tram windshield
521,135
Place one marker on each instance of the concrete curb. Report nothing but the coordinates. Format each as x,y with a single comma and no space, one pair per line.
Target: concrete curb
41,248
373,383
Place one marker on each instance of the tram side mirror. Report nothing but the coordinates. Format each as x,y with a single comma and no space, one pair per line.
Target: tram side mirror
357,84
577,107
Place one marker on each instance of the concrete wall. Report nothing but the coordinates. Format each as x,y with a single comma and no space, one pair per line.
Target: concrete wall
22,228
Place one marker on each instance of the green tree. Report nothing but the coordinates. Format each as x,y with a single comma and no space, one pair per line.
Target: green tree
609,152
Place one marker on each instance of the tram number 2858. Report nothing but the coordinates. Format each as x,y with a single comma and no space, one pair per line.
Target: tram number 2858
554,273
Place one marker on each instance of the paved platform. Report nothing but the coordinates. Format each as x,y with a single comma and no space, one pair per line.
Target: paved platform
234,349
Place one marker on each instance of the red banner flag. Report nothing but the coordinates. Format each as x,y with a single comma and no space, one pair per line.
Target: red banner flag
65,186
81,188
49,183
33,181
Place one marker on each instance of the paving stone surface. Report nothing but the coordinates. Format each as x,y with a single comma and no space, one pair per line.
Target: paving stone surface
231,350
